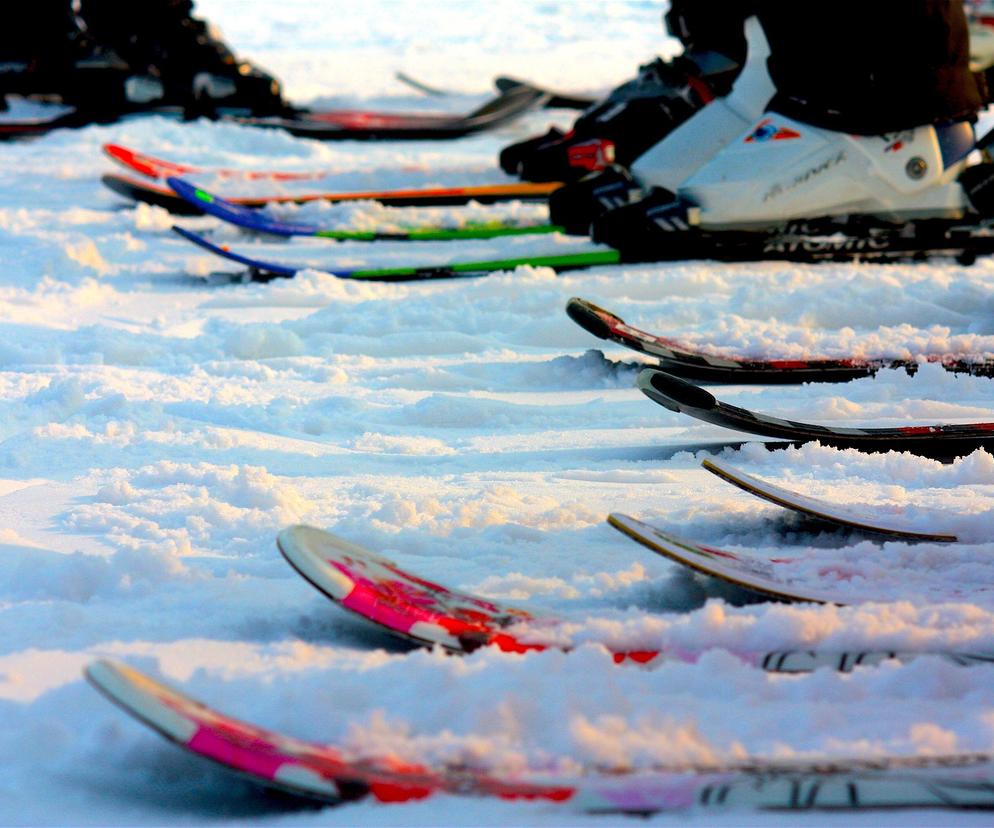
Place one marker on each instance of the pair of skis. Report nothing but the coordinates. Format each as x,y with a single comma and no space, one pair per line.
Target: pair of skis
666,386
427,613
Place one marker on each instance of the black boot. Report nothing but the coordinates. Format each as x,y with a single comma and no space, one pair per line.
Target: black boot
657,227
617,130
575,206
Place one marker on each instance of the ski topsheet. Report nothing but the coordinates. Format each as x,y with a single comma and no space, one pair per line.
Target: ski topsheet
327,773
509,104
683,361
266,270
149,192
415,609
942,440
891,525
257,221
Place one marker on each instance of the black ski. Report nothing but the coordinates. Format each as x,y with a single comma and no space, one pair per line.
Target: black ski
682,361
512,102
930,440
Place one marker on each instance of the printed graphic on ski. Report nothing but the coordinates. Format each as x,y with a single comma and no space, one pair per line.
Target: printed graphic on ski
685,362
257,221
327,774
374,587
683,397
847,516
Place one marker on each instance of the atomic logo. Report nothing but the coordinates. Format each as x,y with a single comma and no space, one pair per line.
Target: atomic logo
766,130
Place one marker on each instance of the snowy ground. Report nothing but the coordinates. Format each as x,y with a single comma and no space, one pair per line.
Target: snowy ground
162,424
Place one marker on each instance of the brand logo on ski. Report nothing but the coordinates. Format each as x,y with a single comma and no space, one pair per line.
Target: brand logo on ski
766,130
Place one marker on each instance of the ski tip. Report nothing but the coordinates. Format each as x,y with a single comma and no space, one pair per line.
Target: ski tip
198,240
714,468
672,392
590,317
188,190
189,235
100,673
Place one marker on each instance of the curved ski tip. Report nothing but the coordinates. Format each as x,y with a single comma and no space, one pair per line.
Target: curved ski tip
590,317
715,468
101,672
312,552
672,392
117,183
186,234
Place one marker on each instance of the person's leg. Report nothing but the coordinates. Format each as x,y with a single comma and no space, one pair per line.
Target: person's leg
161,39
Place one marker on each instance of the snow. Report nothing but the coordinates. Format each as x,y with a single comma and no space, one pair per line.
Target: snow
162,423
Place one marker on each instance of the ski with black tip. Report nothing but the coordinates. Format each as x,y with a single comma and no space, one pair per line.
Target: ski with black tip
699,366
683,397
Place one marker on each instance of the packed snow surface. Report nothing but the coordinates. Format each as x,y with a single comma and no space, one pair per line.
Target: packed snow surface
163,422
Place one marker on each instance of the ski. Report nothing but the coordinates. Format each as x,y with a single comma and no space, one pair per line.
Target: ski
159,168
328,774
257,221
429,614
263,270
557,100
149,192
687,363
781,579
931,440
509,104
893,526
